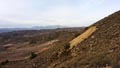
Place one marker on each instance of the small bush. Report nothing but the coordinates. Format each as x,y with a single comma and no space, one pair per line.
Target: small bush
4,62
67,46
76,35
32,55
100,61
33,42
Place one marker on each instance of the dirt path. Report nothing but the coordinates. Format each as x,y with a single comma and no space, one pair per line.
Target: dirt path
82,37
23,53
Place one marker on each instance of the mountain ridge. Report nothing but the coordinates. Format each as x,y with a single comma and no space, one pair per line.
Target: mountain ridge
32,28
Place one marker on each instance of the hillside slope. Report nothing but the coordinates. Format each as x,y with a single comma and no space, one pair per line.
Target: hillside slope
101,49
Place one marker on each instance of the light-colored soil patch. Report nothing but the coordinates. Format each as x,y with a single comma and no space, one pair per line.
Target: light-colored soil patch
83,36
107,67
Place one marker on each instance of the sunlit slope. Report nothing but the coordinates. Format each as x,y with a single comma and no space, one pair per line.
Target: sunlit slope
83,36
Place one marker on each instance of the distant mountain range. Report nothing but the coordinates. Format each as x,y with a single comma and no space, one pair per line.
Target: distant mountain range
32,28
48,27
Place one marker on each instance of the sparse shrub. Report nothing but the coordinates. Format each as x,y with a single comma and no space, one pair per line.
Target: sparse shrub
66,50
67,46
32,55
4,62
50,37
100,61
86,28
76,35
33,42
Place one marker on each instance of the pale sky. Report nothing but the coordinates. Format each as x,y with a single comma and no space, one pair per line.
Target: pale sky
28,13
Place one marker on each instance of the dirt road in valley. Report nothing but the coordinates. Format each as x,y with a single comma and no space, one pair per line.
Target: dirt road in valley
23,53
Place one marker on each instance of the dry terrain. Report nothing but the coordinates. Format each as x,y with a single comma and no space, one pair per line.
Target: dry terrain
97,46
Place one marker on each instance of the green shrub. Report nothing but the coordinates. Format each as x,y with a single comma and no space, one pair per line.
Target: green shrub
67,46
32,55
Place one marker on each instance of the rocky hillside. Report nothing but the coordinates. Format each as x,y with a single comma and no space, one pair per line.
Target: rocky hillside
99,50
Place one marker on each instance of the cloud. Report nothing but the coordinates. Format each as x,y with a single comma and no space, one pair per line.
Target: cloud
55,12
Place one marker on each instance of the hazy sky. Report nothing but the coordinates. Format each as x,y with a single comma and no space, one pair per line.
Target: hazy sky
27,13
